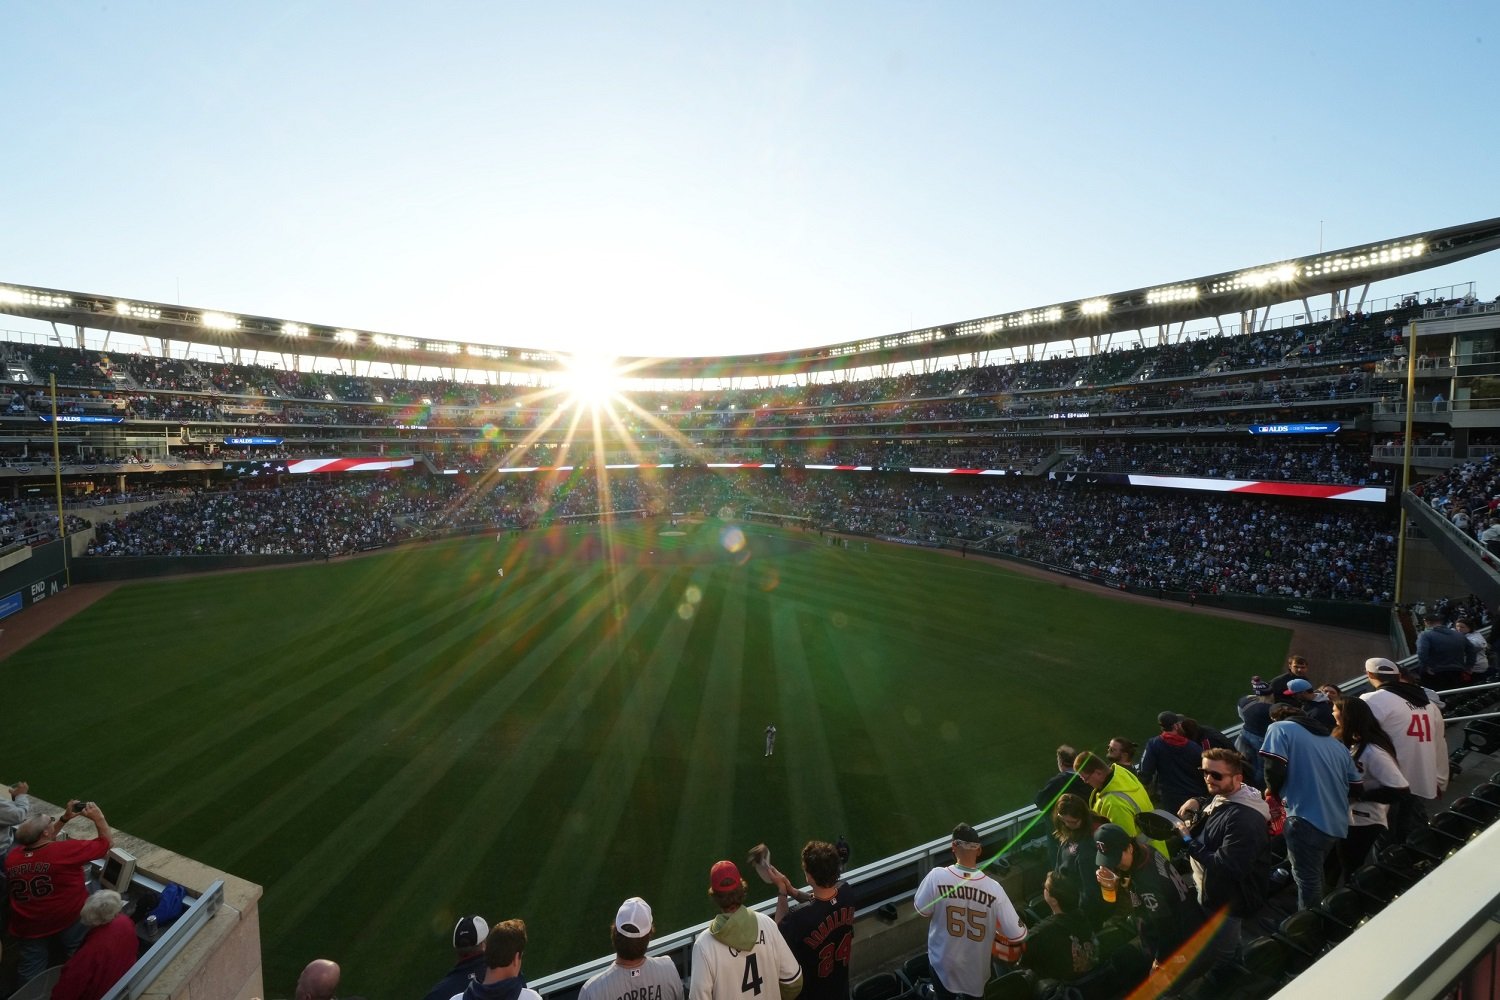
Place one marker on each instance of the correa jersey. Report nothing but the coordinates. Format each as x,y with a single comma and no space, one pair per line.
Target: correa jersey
821,935
1421,749
655,979
759,973
46,885
966,910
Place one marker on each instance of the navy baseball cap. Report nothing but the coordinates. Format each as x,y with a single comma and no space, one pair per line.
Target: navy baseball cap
1110,841
469,933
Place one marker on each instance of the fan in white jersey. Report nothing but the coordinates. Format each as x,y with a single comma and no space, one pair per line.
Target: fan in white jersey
1407,713
742,955
633,976
969,919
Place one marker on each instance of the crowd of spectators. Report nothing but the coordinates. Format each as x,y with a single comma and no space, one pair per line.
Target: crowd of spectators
309,520
1321,463
32,522
1150,540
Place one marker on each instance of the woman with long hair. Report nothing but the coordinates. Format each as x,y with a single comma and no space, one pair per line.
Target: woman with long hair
1374,756
1073,826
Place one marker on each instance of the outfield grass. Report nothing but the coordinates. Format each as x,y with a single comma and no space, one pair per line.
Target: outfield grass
386,743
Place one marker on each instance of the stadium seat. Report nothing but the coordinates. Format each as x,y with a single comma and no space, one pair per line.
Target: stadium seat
1403,863
39,986
1476,809
917,969
1457,825
1304,931
1266,958
1434,845
881,986
1378,885
1019,984
1487,793
1482,736
1113,937
1342,911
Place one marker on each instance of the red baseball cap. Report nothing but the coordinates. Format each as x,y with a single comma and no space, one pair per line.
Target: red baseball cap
724,877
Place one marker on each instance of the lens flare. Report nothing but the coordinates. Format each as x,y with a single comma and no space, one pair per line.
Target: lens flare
733,539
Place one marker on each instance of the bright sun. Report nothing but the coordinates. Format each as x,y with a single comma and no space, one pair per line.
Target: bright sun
591,380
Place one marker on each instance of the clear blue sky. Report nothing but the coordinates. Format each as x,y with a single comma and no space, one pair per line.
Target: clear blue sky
723,178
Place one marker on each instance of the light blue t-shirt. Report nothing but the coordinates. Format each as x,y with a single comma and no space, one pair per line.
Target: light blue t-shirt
1318,775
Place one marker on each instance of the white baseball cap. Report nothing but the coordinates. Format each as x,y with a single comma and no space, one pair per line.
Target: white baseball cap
634,918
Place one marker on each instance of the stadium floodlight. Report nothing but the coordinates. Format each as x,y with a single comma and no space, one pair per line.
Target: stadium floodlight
218,321
24,297
1260,277
433,345
1034,316
136,312
1094,307
294,329
346,336
1171,293
1390,253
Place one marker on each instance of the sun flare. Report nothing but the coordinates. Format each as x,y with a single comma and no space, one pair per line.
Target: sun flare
591,381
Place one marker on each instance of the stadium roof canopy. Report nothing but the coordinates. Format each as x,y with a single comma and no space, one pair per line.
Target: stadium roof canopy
1181,301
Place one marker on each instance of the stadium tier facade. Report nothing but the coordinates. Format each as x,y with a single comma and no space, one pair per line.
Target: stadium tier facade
1240,395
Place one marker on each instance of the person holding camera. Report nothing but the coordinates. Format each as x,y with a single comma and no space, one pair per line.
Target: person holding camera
45,879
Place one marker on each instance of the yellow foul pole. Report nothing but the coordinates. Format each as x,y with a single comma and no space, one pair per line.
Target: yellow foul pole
1411,393
62,523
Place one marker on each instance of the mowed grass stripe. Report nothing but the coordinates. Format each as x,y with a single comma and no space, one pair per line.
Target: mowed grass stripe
700,832
453,872
345,844
812,795
278,725
273,722
603,793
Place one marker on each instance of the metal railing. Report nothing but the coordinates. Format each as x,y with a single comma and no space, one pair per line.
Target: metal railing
200,910
903,871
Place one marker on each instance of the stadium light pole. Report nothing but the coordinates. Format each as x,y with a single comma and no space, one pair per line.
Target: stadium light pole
1411,392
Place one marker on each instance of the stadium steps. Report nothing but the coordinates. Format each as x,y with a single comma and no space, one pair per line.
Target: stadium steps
1479,570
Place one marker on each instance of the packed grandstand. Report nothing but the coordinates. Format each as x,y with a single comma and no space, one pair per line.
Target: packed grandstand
1133,467
1052,437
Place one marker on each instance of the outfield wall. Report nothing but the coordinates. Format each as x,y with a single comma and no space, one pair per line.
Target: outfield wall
106,569
40,573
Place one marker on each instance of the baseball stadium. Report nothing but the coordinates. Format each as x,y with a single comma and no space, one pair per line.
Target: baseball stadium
419,628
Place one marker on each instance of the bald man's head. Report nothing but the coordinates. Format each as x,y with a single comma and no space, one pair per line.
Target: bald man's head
319,981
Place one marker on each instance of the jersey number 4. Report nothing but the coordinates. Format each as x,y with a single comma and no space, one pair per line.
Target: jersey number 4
1421,727
751,982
